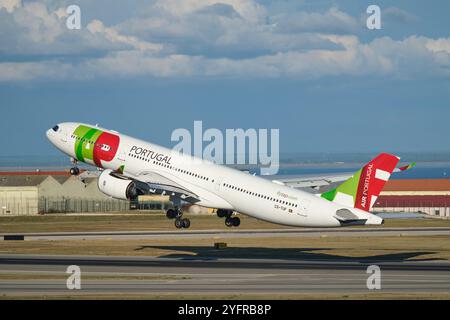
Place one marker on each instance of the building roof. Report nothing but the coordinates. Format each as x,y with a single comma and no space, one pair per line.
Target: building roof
30,178
35,173
27,180
418,185
21,181
54,186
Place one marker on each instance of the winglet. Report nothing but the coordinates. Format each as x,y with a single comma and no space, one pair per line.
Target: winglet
409,166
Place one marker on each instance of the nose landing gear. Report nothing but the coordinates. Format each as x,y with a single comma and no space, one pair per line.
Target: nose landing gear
74,171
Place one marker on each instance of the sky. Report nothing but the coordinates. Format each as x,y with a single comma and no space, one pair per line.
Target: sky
311,69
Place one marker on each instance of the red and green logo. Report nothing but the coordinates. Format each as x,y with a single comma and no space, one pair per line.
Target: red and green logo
363,188
95,145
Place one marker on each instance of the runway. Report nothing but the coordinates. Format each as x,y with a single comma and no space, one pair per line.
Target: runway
216,276
241,233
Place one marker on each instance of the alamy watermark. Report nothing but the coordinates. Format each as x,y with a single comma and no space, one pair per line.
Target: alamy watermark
74,280
73,21
253,147
373,22
374,280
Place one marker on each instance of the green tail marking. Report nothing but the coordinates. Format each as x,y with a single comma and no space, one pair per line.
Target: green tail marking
349,187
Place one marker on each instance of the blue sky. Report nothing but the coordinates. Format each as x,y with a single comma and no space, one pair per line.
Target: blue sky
309,68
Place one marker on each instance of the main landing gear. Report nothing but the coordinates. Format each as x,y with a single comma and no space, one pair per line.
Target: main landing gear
177,214
230,221
74,171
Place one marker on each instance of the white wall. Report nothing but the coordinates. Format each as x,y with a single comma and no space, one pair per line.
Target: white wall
18,200
442,212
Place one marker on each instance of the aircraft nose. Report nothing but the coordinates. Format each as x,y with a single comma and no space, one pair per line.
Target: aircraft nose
51,134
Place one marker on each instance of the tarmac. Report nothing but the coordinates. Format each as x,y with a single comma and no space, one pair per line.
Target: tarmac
209,272
241,233
211,275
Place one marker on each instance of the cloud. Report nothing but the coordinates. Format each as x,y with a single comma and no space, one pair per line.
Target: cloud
332,21
40,25
220,9
10,5
438,45
112,35
381,57
219,31
248,9
398,15
193,38
33,29
26,27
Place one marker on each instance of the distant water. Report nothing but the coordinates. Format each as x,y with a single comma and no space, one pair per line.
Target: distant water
423,170
33,161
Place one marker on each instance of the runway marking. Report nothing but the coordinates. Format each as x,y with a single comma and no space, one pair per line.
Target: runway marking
242,233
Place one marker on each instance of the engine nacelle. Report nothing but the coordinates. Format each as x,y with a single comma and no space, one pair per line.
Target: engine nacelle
116,187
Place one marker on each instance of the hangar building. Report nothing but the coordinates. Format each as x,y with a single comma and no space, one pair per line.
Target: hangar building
28,193
430,196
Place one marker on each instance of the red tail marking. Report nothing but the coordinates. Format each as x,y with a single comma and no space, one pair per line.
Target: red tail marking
369,186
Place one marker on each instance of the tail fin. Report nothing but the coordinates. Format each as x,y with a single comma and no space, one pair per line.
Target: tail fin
362,190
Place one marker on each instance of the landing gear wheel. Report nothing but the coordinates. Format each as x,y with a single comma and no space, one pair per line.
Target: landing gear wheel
229,222
179,224
182,223
224,213
186,223
236,222
174,214
171,214
74,171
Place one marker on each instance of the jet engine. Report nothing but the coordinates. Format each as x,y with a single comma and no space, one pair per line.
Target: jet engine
116,186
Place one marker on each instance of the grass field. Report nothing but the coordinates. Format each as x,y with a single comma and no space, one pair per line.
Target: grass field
86,223
394,248
149,222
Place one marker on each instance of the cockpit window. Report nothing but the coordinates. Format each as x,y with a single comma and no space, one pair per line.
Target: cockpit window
55,128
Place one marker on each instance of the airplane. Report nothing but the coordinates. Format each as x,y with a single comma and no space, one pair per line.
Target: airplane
131,167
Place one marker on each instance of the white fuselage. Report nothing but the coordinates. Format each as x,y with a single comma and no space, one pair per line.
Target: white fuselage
216,186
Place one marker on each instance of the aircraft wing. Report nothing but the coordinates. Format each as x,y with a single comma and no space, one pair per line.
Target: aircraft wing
316,182
312,182
86,174
154,183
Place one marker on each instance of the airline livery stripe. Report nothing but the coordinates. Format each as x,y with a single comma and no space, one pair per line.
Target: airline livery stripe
382,175
372,201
